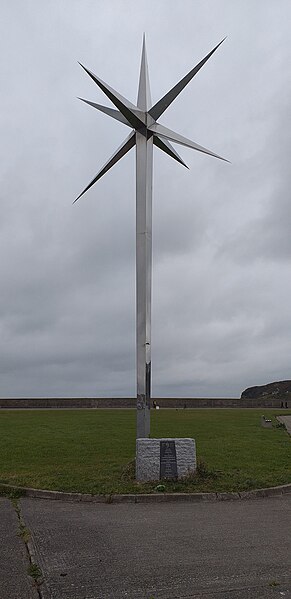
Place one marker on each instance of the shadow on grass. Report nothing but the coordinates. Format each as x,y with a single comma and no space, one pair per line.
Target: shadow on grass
191,482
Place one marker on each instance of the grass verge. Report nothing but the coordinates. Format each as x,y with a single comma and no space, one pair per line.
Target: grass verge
93,451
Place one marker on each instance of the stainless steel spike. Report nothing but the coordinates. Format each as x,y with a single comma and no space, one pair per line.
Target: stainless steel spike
146,133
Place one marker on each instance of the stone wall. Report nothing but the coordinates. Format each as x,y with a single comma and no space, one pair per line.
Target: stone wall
130,402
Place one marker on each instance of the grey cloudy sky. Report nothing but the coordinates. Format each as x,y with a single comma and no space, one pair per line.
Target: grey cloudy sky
221,233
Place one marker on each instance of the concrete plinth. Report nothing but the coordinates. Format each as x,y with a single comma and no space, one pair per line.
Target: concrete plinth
164,458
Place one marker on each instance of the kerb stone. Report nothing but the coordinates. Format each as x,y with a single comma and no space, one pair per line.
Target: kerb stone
148,453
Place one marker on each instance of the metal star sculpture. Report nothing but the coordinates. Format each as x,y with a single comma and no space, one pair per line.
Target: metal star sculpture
142,118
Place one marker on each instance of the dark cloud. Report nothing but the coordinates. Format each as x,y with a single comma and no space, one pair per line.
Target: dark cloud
221,241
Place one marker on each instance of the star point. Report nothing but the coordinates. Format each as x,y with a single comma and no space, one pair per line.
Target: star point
142,118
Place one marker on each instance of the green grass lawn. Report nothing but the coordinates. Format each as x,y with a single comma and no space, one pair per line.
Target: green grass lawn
92,451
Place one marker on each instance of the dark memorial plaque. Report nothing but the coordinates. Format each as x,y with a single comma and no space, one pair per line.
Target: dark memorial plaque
168,460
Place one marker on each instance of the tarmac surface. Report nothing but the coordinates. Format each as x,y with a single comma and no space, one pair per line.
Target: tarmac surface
208,550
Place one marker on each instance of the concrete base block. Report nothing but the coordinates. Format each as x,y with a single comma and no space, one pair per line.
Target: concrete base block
155,457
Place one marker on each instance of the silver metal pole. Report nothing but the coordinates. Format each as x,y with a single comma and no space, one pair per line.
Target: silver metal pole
144,176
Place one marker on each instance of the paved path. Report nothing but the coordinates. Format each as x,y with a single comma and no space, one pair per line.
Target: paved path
287,422
14,561
222,550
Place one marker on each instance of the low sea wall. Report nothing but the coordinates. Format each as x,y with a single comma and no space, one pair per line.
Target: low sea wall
130,402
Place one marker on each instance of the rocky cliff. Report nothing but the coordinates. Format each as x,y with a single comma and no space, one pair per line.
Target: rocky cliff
280,390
